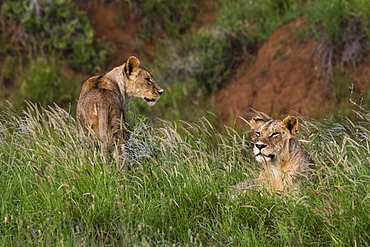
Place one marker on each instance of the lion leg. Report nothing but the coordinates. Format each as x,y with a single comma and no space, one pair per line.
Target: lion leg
118,135
103,128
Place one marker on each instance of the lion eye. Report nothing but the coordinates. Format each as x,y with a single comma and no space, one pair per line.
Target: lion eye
149,81
258,134
275,134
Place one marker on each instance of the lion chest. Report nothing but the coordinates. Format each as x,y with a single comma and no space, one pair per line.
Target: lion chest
277,176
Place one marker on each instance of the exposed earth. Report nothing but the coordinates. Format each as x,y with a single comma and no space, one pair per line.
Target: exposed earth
284,79
106,18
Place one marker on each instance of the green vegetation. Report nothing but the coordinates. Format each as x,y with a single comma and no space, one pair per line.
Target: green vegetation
258,18
57,26
342,28
209,58
166,17
43,80
338,18
61,192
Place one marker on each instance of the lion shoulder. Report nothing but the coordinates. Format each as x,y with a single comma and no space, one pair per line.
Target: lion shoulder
101,82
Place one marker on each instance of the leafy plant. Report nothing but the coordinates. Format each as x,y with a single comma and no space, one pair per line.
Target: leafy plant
209,57
166,17
213,55
60,27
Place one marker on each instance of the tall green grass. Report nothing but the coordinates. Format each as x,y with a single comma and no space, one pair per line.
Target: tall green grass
58,191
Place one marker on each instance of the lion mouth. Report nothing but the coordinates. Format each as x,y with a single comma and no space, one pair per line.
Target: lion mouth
149,100
270,156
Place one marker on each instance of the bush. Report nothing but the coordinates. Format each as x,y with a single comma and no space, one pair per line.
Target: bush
209,57
57,25
214,55
170,17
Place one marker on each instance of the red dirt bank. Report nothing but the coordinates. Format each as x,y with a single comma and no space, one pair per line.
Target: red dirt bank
284,79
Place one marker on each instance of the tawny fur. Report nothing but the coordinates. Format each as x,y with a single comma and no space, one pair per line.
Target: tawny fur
282,160
101,105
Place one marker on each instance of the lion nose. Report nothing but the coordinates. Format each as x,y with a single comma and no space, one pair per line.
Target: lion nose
160,92
260,146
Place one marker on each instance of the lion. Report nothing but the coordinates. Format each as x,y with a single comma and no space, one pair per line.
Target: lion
101,105
276,149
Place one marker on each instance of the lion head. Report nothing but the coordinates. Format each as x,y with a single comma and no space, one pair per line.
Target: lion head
272,139
140,83
282,158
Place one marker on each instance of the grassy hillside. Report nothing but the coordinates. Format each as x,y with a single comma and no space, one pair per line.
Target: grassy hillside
57,191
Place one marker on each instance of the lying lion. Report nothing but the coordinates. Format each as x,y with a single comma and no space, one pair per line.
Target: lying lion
282,159
101,105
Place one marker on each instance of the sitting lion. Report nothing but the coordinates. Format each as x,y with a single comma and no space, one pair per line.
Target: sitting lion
279,153
100,107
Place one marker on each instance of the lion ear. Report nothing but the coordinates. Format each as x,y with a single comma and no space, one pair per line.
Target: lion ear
256,122
132,65
291,123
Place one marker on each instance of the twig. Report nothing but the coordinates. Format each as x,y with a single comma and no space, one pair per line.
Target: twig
353,102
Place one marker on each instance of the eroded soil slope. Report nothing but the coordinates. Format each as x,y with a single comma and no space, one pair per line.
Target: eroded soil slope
285,79
119,27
